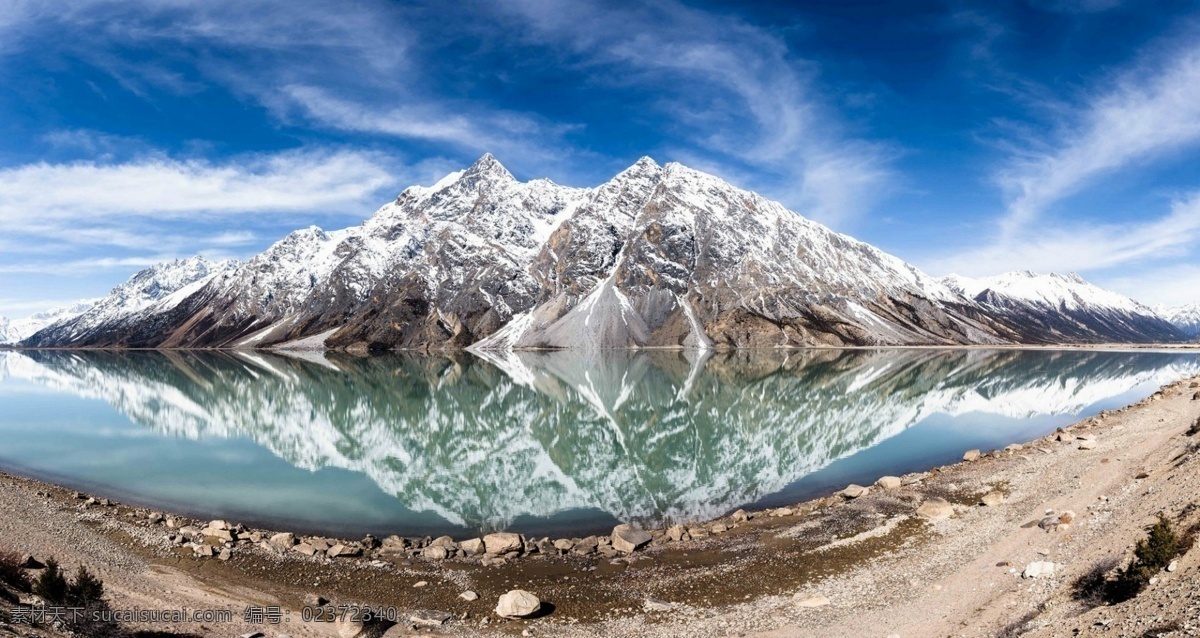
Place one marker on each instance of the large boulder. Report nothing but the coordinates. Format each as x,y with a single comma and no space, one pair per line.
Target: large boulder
283,540
888,482
435,552
518,603
503,543
627,539
935,509
473,546
853,491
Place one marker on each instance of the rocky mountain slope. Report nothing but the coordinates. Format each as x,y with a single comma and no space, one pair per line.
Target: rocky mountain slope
659,256
1064,308
1186,318
135,305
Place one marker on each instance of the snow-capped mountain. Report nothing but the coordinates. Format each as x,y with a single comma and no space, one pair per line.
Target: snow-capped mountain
659,256
14,331
1064,308
1186,318
133,304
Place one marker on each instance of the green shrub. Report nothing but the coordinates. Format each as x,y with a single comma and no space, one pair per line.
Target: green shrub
85,590
1150,556
51,584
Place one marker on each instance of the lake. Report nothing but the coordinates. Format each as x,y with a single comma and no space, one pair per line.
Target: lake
542,443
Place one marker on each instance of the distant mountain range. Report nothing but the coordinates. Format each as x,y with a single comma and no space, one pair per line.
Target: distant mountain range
1186,318
659,256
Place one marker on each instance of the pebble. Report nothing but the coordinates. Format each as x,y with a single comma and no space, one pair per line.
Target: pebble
429,618
421,583
653,604
1037,569
814,601
469,596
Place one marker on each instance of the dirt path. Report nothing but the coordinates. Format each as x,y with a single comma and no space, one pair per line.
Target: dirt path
884,569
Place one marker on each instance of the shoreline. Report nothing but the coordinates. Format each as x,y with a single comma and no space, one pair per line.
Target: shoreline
782,559
283,349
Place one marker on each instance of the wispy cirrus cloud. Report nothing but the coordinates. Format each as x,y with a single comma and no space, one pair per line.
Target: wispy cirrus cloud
1085,246
316,64
532,141
1144,114
745,104
1148,112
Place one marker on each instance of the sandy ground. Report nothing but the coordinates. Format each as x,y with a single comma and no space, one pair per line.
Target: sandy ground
882,569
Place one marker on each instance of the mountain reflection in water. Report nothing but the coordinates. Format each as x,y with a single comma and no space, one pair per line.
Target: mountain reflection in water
525,437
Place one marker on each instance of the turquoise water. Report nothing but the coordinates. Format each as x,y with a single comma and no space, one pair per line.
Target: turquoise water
542,443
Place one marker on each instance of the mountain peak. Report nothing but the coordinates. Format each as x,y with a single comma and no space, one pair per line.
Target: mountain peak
487,165
644,170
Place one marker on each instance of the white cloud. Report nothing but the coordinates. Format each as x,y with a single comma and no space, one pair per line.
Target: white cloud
89,192
1084,246
531,141
1150,111
336,65
89,266
19,308
1170,286
82,217
746,103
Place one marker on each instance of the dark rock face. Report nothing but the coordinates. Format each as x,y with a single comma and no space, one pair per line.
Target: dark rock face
660,256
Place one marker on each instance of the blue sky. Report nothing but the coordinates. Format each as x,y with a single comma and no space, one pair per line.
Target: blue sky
969,137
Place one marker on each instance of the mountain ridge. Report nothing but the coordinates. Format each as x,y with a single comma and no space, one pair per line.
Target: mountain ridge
658,256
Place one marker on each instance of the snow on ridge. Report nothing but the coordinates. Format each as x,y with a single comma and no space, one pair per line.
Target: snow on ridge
1185,317
13,331
1069,291
157,289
